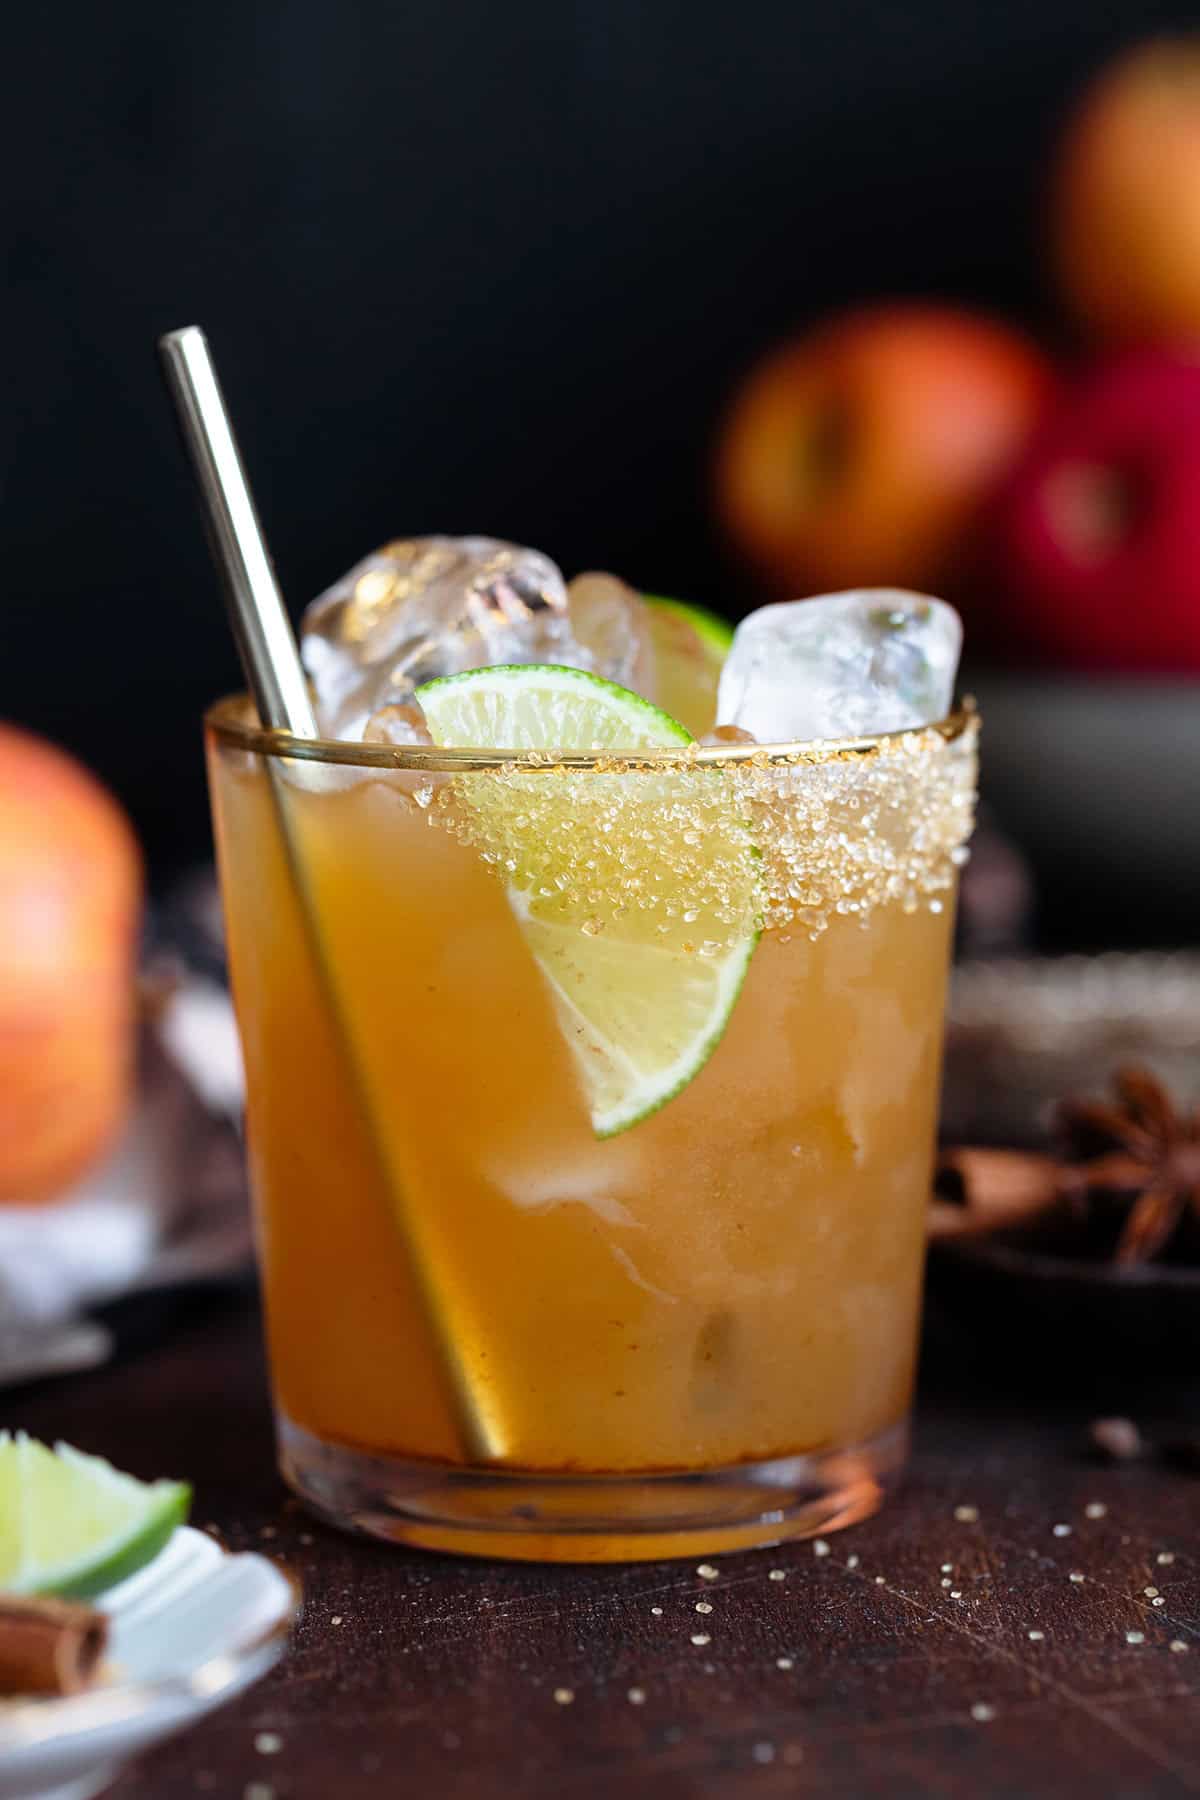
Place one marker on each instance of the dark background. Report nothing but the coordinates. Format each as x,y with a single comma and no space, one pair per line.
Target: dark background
464,267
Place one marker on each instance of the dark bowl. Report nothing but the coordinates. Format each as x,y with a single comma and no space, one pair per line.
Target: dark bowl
1063,1320
1097,780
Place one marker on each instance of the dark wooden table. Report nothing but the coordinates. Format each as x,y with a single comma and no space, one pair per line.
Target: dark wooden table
947,1647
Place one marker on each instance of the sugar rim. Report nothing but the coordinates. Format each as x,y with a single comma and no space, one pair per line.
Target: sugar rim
229,722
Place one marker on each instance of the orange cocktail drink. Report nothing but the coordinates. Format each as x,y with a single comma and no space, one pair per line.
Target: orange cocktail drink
591,1106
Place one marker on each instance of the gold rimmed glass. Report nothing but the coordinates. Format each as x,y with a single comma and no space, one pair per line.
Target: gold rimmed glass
491,1329
233,721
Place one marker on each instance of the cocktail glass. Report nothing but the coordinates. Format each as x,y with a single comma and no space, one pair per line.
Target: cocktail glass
493,1327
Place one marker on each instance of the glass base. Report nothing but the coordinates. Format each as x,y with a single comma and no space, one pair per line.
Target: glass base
533,1517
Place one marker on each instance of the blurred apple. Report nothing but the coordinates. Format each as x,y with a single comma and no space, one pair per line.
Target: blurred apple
1126,197
858,454
70,892
1095,537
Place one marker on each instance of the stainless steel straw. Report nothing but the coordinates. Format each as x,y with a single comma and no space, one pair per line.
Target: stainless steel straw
260,624
272,664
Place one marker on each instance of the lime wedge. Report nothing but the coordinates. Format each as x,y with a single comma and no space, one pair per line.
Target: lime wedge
690,645
72,1524
643,992
716,631
539,706
10,1511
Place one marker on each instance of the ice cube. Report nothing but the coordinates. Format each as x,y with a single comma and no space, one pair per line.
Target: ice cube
423,607
399,726
403,728
841,665
609,619
727,737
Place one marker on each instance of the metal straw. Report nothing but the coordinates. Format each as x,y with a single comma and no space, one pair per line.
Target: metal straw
260,624
272,664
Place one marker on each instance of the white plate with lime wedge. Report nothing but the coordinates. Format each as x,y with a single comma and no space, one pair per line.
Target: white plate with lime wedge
189,1625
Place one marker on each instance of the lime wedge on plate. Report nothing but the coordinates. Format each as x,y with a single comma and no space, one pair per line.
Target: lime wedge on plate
71,1524
690,645
635,892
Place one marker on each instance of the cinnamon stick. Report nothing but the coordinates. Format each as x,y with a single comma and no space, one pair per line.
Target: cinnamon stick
49,1646
981,1191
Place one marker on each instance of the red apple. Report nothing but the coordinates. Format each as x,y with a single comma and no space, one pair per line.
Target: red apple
858,455
1125,221
70,893
1095,537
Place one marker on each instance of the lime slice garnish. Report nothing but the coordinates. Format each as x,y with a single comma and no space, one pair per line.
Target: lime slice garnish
71,1524
716,631
539,706
643,992
690,646
10,1511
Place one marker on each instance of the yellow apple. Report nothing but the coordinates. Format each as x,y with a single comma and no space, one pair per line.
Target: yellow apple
1125,201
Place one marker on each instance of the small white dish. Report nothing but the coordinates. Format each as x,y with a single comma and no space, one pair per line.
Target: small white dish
188,1633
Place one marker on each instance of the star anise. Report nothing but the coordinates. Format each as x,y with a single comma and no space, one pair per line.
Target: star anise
1140,1145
